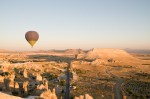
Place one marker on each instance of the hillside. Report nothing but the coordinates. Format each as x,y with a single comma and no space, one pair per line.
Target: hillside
107,53
138,51
115,55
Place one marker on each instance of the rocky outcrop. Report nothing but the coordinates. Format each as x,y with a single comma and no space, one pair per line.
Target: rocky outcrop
48,94
25,73
16,85
25,85
1,78
111,56
45,83
6,83
38,77
107,54
41,87
86,96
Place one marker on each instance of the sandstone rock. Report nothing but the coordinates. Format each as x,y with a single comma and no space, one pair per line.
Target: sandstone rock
16,85
41,87
11,84
76,98
6,83
100,62
81,97
45,83
108,54
80,56
111,56
86,96
38,77
1,78
25,84
48,94
12,77
25,73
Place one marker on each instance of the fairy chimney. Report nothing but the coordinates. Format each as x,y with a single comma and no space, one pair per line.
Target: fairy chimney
38,77
48,94
86,96
6,83
25,73
25,84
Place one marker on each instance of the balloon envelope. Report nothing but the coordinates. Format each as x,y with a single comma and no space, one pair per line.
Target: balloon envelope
32,37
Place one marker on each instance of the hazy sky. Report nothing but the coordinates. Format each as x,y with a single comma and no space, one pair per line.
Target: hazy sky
84,24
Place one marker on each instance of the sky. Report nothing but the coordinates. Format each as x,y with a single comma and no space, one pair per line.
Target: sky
85,24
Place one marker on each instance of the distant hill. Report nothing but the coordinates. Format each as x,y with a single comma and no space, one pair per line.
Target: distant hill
119,56
138,51
4,51
75,51
107,53
57,51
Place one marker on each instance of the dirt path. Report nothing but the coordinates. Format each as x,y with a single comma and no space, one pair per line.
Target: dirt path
117,87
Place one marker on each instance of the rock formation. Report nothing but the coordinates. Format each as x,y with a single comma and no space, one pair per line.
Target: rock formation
25,85
12,77
6,83
25,73
107,54
16,85
38,77
86,96
104,56
41,87
1,78
48,94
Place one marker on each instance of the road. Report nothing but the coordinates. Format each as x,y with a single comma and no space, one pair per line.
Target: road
117,87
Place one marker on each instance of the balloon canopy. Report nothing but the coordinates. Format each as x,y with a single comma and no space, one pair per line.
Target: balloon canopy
32,37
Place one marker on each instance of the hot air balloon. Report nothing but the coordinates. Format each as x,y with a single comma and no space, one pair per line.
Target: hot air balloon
32,37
